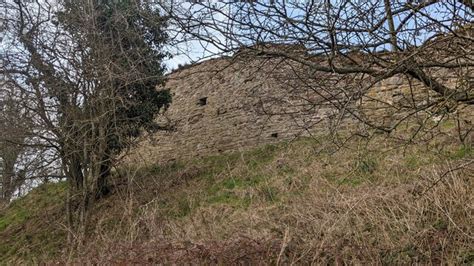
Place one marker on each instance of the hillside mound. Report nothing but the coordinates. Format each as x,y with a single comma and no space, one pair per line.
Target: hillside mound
311,200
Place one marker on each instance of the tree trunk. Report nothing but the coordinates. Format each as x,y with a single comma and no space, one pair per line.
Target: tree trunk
8,177
75,200
391,25
102,186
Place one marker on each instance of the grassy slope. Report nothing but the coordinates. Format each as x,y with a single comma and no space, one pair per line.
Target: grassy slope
29,226
298,201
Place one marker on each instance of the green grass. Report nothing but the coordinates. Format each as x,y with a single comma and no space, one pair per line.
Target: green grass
412,162
30,226
235,182
461,153
217,185
229,198
15,216
367,165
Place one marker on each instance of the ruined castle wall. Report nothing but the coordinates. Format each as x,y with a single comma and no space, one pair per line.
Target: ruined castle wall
396,97
231,104
222,105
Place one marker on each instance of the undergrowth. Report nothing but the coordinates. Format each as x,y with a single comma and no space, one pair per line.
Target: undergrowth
301,201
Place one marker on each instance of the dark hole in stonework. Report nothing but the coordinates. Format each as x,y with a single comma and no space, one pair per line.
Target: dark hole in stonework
274,135
202,101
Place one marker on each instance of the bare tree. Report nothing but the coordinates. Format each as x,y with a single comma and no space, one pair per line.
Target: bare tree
26,158
349,49
14,128
88,70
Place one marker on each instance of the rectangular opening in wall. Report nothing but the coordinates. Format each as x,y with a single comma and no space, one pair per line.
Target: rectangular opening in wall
202,101
274,135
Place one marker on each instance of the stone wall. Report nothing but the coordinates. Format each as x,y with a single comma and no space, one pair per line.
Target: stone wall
234,103
219,106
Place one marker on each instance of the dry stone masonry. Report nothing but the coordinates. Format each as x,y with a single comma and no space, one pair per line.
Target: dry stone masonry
234,103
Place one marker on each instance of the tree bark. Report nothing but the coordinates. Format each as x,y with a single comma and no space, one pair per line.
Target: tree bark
391,25
102,186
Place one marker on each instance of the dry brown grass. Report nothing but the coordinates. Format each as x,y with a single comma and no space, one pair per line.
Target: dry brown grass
297,203
308,201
